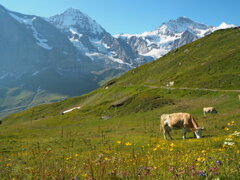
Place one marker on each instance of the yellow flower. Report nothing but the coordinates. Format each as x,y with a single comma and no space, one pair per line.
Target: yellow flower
128,144
238,151
226,128
220,149
105,158
154,149
84,175
67,159
172,145
76,155
203,151
119,142
171,149
197,164
229,124
198,159
232,122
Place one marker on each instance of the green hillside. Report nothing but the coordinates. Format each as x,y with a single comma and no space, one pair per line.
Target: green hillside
82,143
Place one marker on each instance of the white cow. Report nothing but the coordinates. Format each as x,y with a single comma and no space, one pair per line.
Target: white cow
210,110
183,121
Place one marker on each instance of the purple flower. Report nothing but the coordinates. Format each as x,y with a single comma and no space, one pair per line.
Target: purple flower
201,173
218,162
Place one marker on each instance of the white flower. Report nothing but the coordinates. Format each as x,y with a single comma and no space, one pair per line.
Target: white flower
229,143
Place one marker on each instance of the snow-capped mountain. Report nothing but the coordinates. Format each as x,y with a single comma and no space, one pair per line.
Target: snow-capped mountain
168,36
93,41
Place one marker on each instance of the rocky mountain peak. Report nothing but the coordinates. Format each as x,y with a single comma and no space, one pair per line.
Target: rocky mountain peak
75,18
181,25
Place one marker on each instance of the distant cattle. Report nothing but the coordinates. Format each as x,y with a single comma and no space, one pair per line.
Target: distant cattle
183,121
210,110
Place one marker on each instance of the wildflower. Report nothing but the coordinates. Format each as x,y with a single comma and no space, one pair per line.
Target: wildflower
119,142
128,144
238,151
226,129
236,133
154,149
197,164
67,159
105,158
171,149
203,151
218,162
229,124
201,173
76,155
229,143
228,139
198,159
172,145
84,175
232,122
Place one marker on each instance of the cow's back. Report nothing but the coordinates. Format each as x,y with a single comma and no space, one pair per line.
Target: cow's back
179,120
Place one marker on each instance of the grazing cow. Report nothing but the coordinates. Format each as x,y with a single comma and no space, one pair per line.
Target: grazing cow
211,110
183,121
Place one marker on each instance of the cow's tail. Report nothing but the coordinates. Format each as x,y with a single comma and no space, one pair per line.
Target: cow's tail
195,125
160,124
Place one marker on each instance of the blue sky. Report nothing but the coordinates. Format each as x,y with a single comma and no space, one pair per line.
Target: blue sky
135,16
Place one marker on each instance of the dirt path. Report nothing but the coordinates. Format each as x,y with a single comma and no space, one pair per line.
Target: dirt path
197,89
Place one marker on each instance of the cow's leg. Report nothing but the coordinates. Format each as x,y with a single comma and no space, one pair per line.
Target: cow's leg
168,132
164,134
184,133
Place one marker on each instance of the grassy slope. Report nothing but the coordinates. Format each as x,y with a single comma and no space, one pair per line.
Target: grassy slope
211,62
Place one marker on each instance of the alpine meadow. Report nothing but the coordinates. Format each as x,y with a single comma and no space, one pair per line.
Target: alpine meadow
114,134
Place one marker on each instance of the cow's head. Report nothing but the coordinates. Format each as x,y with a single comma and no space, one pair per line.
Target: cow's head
198,132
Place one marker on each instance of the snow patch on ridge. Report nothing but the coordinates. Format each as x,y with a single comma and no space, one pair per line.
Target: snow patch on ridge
29,22
3,76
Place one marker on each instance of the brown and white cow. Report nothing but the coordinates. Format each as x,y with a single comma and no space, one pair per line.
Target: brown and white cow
210,110
183,121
